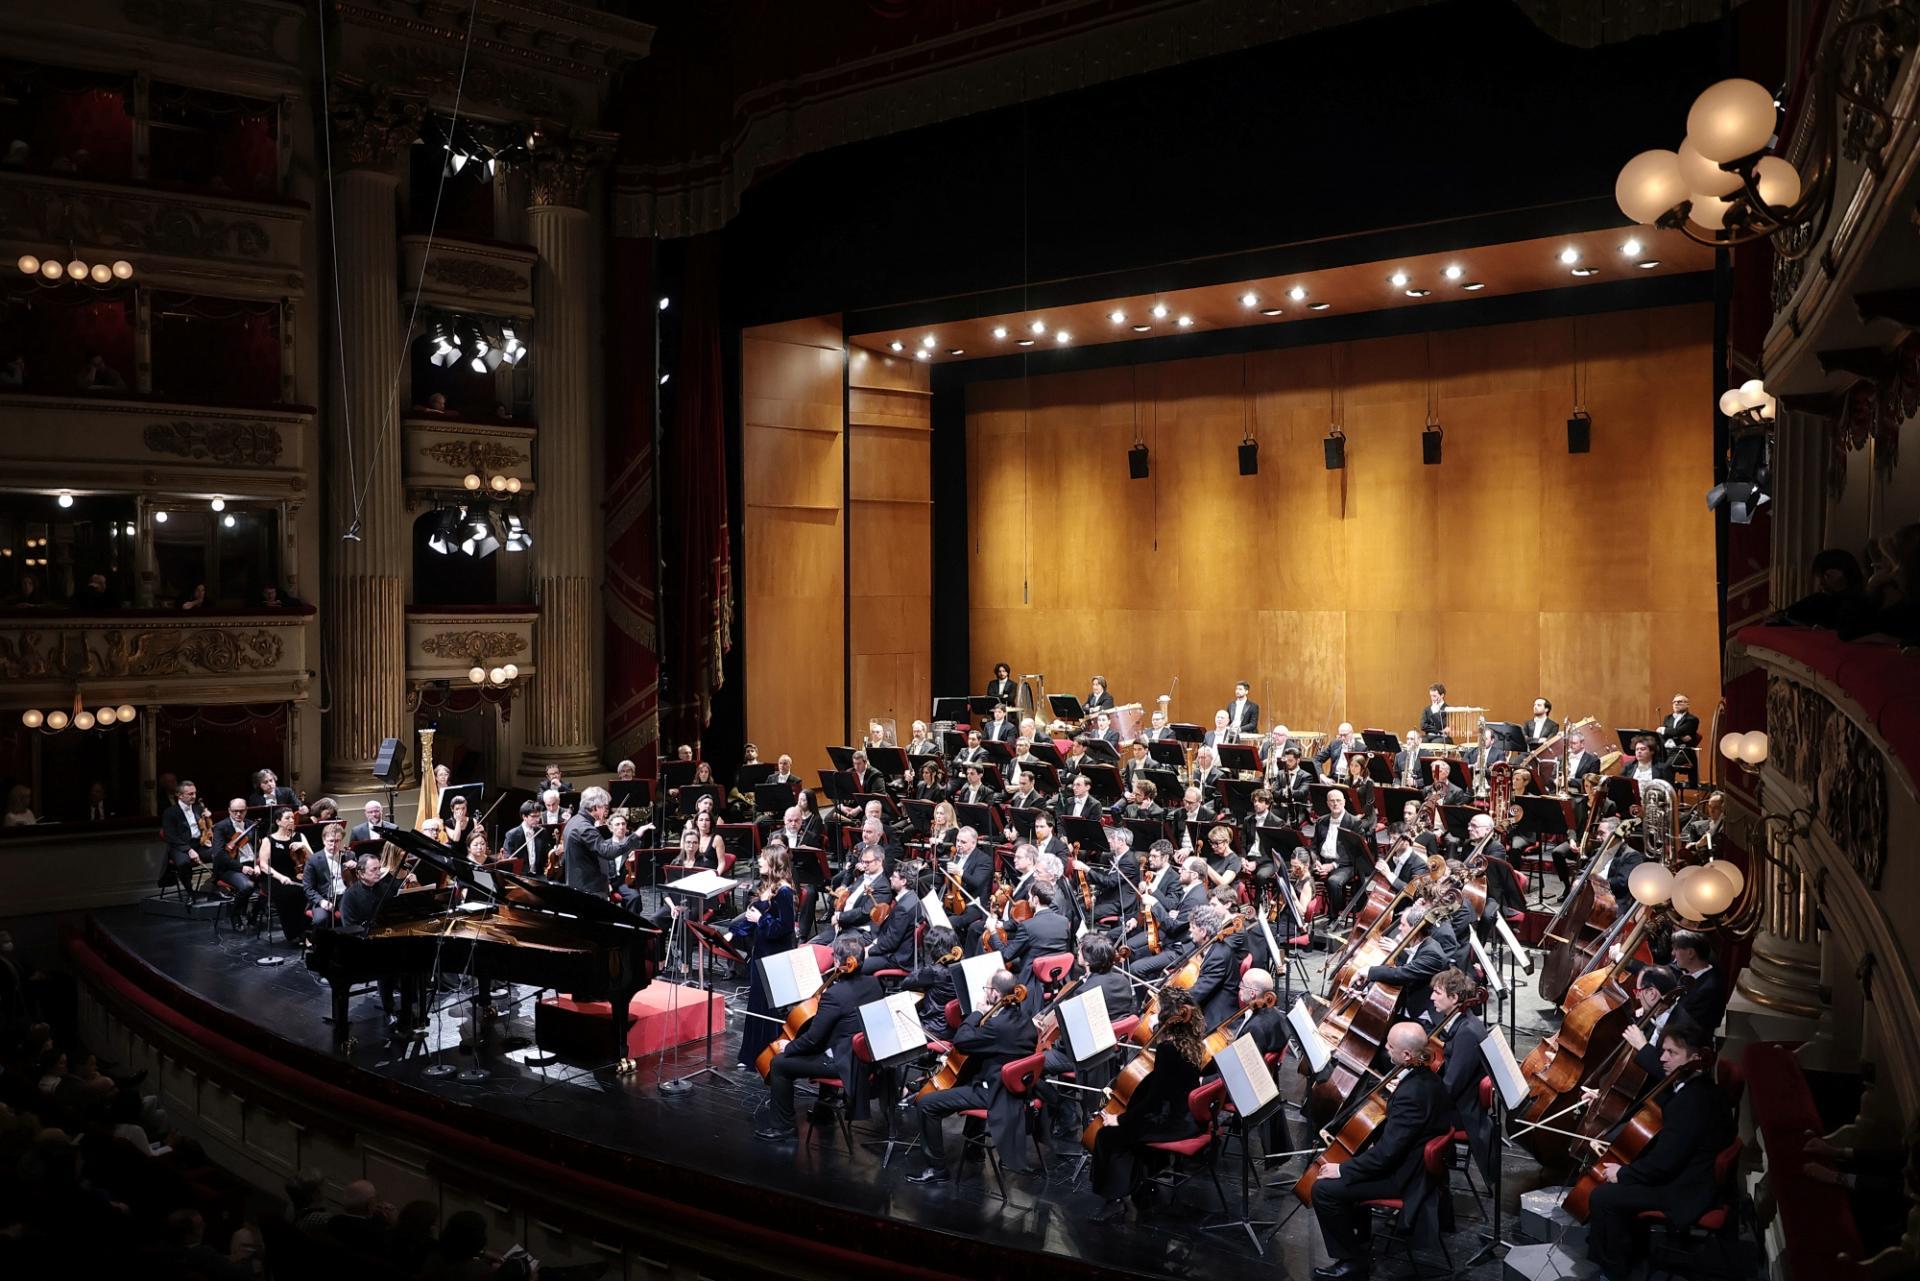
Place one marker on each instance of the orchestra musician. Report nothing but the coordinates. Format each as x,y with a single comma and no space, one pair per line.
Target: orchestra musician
459,822
1674,1172
1702,835
999,729
366,838
1443,789
892,944
943,827
1406,858
973,864
1417,830
974,791
553,815
325,879
1333,863
1642,767
824,1047
590,860
1390,1165
1289,782
1045,841
231,866
1484,753
1113,895
1141,805
1465,1062
1186,897
1331,761
933,979
1156,1112
864,883
1222,731
972,752
286,851
269,795
994,1035
1000,689
1503,891
765,928
529,842
180,826
1023,796
1263,817
1081,803
1098,700
1433,720
1438,949
1580,762
812,832
1407,761
1243,714
1704,993
360,905
1223,865
1206,770
1047,932
1156,728
1103,730
1680,734
1192,814
1656,992
1162,875
1277,741
1096,971
920,744
1268,1029
1541,726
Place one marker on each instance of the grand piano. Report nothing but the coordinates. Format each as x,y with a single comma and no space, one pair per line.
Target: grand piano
510,928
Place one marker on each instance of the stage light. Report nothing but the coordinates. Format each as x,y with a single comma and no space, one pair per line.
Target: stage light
1418,293
446,530
923,354
896,345
481,539
518,539
219,504
1137,462
1062,336
1474,286
1185,322
510,671
1037,328
50,269
1159,311
1569,255
1454,271
1335,449
1731,120
999,331
1579,433
77,270
1430,445
1778,181
513,484
1631,249
159,518
1648,264
497,675
1584,272
1744,492
1249,299
1318,306
65,499
1024,342
29,265
1398,280
1117,317
956,351
663,302
1298,293
1141,329
1249,458
927,342
1650,884
477,674
1270,311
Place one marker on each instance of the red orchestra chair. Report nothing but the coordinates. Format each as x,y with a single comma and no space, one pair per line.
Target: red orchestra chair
1204,1103
1434,1160
1721,1223
833,1095
1017,1078
1052,968
823,954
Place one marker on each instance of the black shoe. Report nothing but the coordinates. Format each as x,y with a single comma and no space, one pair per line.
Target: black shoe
1341,1270
932,1174
776,1133
1114,1211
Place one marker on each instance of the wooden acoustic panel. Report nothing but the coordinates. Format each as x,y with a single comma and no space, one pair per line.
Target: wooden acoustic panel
889,540
1510,569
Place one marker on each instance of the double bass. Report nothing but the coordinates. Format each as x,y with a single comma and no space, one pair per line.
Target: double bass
1588,908
802,1014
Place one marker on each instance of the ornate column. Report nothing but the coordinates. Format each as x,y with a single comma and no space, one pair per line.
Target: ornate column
1799,502
1779,995
363,606
564,703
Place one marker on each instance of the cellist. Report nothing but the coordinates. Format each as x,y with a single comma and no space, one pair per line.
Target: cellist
994,1035
1389,1165
824,1046
1157,1110
1439,948
1673,1173
1465,1062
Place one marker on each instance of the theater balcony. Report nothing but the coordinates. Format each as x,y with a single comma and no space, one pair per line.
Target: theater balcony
125,441
440,453
469,275
445,642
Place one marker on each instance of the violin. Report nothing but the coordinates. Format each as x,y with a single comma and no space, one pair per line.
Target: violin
1219,1039
1634,1136
953,898
240,838
947,1075
1080,874
1189,972
802,1014
1368,1114
206,828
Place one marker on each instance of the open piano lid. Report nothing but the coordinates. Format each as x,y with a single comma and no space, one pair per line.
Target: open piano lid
501,884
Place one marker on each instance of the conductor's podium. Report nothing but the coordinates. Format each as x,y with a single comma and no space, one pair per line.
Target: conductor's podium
665,1016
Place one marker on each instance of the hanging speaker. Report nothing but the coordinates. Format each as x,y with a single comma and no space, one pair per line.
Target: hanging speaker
1579,434
1336,450
1430,446
1250,458
1137,462
390,762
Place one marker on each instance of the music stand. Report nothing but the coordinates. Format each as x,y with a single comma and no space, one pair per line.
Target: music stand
472,791
775,798
1145,832
1169,753
1245,1089
1317,797
1508,736
895,1038
1378,740
630,793
1066,708
956,710
1239,795
1045,750
1628,735
1020,818
696,892
1456,818
979,817
999,751
1623,792
891,761
1238,757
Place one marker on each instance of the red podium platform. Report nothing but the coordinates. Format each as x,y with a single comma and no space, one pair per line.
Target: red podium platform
665,1015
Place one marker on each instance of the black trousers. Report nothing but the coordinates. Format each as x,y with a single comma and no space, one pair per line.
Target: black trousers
935,1108
790,1068
242,886
1610,1223
1119,1154
1340,883
1343,1219
290,905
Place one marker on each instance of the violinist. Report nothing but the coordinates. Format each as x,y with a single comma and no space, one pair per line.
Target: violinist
1047,932
1163,873
1443,788
892,945
933,979
1000,689
1096,972
1674,1171
184,825
1216,989
324,880
1079,801
994,1035
1174,919
1465,1061
234,841
1045,840
1333,862
528,842
824,1047
1141,805
1437,950
1113,885
973,864
1390,1165
1156,1111
857,890
287,852
708,845
765,928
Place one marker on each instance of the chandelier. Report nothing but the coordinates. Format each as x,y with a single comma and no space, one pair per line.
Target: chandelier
54,271
79,718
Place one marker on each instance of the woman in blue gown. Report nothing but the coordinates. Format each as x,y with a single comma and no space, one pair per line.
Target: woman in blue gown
765,928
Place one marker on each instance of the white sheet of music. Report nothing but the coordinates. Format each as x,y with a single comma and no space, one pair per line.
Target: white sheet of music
893,1025
975,973
1503,1069
936,914
1087,1024
791,976
1487,966
705,882
1248,1078
1301,1020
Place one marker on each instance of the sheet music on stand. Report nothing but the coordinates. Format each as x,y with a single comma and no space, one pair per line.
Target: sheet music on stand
704,884
1087,1024
892,1025
936,913
1307,1032
1504,1070
1487,967
975,972
791,976
1249,1081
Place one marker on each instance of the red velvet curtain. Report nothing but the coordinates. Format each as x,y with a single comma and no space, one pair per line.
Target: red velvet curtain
632,623
85,131
216,350
77,325
219,748
698,630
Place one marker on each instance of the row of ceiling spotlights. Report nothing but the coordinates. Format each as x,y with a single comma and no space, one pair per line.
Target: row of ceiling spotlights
1400,279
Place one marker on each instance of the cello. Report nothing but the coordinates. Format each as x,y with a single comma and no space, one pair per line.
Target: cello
1120,1093
1589,907
1640,1130
802,1014
1355,1026
1366,1115
1621,1083
947,1075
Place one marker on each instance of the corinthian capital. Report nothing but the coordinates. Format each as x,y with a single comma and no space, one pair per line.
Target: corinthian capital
371,125
562,165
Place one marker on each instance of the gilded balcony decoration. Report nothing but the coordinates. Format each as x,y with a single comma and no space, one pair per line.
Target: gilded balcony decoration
139,444
468,275
156,656
443,643
441,454
193,241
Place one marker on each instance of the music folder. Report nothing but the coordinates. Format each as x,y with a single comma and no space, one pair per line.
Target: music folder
842,758
701,884
1087,1024
975,973
677,773
890,761
1307,1033
892,1025
1503,1069
1168,753
1248,1079
1378,740
1238,757
935,911
1066,707
791,976
773,798
1543,814
947,708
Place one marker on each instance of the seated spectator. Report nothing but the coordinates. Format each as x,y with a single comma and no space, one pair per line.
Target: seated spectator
195,599
13,374
98,808
1837,588
98,376
19,807
365,1222
414,1243
1890,605
188,1255
272,597
93,594
29,595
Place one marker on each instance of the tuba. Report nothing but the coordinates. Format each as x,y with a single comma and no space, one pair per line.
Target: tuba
1500,796
1657,801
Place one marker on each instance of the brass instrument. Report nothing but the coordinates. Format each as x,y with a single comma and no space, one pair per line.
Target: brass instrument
1500,806
1481,752
1657,800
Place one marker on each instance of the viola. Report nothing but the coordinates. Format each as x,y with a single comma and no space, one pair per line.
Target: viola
802,1014
1629,1143
1365,1116
1220,1038
1086,886
206,828
947,1075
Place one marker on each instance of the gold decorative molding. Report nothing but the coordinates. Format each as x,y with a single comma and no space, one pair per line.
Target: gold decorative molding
473,644
372,126
121,654
476,275
562,166
243,444
475,455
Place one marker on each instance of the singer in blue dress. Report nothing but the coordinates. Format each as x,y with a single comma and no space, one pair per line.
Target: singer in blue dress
765,928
